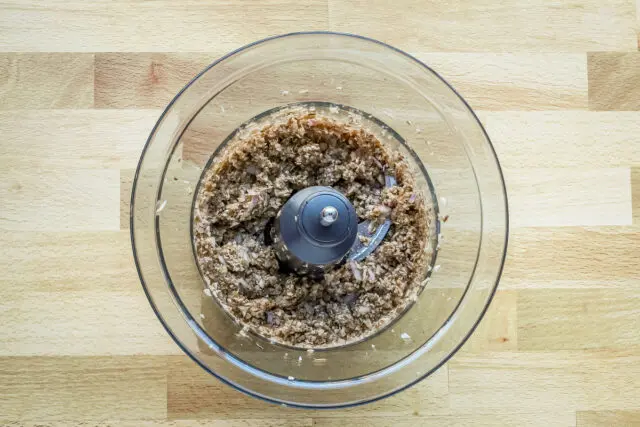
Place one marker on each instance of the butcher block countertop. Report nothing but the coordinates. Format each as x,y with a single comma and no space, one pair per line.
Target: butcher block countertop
557,85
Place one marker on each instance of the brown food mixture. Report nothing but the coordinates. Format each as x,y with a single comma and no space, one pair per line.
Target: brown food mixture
248,185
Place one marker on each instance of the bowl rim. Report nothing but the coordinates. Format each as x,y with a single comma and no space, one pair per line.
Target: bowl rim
275,400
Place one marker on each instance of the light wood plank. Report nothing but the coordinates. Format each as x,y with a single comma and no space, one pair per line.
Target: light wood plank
489,26
46,80
572,258
74,138
498,330
546,380
74,200
614,81
305,422
608,418
194,394
75,294
82,324
568,319
487,81
635,194
508,81
145,80
496,419
541,197
179,185
62,388
638,20
569,197
158,26
126,185
551,139
67,261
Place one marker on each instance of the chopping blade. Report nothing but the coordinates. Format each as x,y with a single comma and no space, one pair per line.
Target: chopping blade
374,237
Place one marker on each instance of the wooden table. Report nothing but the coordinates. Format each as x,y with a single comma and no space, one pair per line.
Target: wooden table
556,83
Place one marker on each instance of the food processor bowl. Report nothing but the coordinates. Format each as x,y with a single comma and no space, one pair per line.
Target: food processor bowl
413,110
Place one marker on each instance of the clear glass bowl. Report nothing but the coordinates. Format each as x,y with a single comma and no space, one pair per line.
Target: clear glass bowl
444,138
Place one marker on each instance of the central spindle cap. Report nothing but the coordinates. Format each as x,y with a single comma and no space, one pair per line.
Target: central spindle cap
315,229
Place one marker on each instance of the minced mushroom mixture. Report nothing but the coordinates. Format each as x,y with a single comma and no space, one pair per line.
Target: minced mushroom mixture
244,189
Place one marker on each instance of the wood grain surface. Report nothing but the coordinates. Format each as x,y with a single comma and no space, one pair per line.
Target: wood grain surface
557,85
